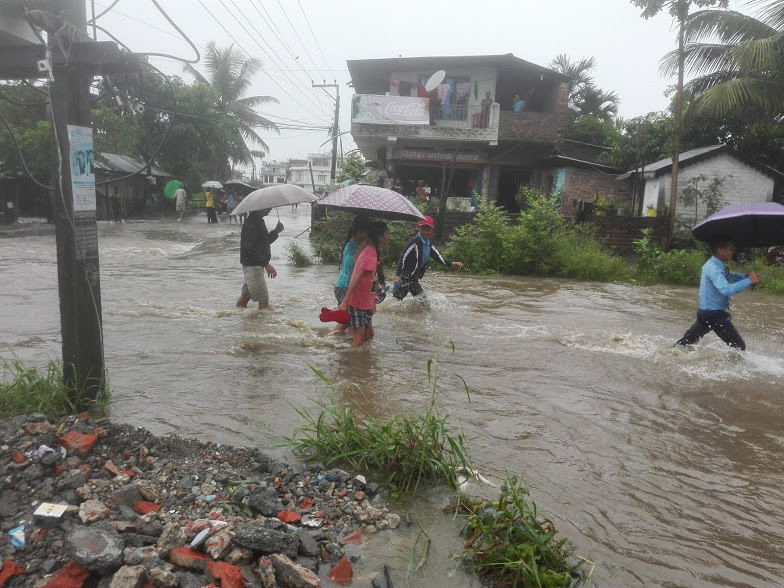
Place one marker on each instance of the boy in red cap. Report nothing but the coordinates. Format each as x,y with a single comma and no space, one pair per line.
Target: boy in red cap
413,261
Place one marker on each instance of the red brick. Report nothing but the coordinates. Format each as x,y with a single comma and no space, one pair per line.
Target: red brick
355,537
9,570
143,507
230,576
83,443
187,558
83,416
306,502
342,572
288,516
18,457
71,576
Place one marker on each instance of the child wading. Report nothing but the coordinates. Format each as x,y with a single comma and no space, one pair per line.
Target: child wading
360,299
717,285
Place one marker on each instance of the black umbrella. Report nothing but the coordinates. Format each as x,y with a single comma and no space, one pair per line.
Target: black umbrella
759,224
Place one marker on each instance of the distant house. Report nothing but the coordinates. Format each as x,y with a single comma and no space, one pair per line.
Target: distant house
136,188
744,180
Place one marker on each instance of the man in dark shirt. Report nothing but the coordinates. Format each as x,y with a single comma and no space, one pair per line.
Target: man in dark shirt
255,258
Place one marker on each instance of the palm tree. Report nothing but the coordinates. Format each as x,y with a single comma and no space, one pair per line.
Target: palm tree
579,74
229,75
738,60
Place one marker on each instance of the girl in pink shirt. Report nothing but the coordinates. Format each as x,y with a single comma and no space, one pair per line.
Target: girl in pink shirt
360,300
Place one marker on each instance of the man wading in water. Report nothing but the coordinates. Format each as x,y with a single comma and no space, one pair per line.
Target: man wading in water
255,258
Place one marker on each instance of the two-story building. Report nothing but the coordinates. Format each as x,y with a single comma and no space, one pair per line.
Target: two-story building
449,133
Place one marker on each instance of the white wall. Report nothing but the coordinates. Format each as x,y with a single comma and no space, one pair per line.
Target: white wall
742,184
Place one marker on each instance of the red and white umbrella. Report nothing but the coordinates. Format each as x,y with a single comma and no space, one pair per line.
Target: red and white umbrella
373,201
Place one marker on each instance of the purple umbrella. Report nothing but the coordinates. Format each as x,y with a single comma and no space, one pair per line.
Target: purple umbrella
373,201
760,224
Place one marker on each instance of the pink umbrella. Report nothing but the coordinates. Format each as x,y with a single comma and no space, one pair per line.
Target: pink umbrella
373,201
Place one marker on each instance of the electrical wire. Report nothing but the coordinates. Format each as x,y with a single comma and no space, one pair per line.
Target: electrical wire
269,76
315,39
279,35
112,5
293,28
269,56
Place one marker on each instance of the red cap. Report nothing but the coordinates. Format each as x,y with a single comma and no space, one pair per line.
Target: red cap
426,222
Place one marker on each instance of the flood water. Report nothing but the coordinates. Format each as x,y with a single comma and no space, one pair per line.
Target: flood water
663,467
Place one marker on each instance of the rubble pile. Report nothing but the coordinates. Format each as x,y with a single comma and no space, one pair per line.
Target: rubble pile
85,502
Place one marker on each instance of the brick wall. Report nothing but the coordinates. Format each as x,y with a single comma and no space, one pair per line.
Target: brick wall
621,231
534,127
585,184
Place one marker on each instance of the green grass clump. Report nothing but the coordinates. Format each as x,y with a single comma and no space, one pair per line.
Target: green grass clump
403,450
508,542
297,255
771,278
33,391
678,266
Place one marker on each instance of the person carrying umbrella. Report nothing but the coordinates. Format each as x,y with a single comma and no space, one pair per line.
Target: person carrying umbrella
413,261
255,255
179,202
717,285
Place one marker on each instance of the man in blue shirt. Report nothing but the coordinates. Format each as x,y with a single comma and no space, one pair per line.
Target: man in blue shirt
717,285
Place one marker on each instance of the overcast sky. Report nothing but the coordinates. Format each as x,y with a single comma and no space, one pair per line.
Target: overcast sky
318,36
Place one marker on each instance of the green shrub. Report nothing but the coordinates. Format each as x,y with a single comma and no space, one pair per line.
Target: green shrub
29,390
771,279
580,255
508,542
481,243
678,266
298,256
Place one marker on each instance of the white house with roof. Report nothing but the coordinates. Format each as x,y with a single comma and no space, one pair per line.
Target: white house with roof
743,180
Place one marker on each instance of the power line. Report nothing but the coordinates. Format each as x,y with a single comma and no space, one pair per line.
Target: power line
293,28
315,39
270,57
268,75
277,32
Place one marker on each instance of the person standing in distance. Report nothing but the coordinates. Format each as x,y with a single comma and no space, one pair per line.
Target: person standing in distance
179,202
255,255
209,205
413,261
717,285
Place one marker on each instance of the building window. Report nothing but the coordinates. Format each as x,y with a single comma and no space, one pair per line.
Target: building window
322,178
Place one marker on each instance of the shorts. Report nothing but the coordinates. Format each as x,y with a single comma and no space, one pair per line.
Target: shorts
255,286
406,286
180,208
340,293
359,317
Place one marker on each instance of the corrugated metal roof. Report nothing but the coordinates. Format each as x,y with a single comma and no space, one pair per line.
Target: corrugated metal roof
113,162
682,158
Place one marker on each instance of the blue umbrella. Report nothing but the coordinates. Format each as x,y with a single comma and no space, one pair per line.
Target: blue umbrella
759,224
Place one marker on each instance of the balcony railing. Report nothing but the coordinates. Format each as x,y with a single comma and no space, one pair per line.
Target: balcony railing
468,123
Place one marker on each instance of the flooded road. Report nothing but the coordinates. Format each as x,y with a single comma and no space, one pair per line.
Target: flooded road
663,467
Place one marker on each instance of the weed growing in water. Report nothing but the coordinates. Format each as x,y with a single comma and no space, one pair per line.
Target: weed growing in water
404,450
509,543
28,391
297,255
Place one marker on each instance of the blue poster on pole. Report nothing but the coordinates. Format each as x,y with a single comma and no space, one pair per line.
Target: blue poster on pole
82,161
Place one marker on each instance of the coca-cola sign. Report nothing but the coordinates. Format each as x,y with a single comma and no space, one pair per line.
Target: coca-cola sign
390,110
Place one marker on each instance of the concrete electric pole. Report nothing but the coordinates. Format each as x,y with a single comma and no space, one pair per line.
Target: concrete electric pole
335,128
69,59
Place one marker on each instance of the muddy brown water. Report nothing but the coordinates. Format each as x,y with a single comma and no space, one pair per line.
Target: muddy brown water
662,467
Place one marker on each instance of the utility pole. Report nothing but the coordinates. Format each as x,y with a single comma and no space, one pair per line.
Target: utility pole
70,60
335,128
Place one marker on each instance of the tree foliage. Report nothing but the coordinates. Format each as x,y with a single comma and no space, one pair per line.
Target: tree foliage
738,60
352,169
23,108
229,76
